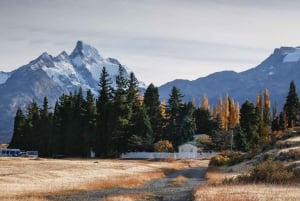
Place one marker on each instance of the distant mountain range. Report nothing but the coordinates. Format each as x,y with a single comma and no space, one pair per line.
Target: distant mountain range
52,76
275,73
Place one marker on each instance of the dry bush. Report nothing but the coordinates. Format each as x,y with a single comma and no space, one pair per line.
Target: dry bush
268,172
178,181
163,146
219,160
169,160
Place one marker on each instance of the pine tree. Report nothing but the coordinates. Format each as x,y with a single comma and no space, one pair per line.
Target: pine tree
45,130
32,121
122,114
154,111
174,116
249,123
240,140
103,140
89,130
19,138
188,124
204,121
141,137
291,106
57,140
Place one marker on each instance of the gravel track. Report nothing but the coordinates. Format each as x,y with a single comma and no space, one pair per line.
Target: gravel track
175,186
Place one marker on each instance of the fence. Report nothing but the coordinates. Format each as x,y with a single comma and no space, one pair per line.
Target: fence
162,155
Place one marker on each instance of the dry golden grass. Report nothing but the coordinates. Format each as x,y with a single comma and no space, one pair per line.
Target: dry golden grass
123,181
128,197
3,146
27,179
214,190
178,180
252,192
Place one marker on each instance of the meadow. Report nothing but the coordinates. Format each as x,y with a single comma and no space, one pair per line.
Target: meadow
35,179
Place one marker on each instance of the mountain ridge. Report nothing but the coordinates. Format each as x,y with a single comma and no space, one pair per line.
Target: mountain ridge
274,73
52,76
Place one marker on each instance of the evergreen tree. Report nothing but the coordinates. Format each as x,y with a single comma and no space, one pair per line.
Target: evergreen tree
282,121
45,130
204,121
291,106
141,138
122,114
240,140
154,111
31,127
103,140
89,130
188,124
19,139
174,116
275,120
249,123
57,140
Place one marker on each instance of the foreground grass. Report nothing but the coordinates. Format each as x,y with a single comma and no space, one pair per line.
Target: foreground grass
215,190
249,192
26,179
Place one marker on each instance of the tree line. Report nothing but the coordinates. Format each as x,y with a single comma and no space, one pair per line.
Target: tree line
118,120
121,120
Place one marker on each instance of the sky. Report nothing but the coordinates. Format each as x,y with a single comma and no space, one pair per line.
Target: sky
160,40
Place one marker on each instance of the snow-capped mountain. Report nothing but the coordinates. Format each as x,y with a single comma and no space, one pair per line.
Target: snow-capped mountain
275,73
51,76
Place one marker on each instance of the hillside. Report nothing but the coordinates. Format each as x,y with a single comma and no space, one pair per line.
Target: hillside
275,73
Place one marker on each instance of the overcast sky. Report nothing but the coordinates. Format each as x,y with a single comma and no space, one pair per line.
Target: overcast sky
160,40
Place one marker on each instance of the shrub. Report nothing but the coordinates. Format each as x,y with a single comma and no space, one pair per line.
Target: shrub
268,172
219,160
163,146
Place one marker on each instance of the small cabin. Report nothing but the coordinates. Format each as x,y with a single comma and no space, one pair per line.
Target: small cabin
187,148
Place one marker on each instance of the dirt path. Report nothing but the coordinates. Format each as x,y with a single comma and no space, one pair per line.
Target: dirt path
176,186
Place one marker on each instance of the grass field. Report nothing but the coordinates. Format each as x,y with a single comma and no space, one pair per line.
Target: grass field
214,190
33,179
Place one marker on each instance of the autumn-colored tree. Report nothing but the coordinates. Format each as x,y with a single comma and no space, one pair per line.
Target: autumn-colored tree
163,146
267,106
204,103
225,116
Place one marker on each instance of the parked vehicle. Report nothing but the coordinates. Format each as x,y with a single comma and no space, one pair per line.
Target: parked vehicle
10,152
33,154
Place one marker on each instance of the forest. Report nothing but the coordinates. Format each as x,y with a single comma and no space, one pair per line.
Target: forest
122,120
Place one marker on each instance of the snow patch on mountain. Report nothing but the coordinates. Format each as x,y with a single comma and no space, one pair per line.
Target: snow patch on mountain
3,77
89,57
293,56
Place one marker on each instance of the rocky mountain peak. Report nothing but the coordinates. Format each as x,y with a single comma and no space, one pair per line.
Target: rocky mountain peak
83,50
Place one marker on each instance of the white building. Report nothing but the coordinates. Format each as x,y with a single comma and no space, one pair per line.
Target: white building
187,148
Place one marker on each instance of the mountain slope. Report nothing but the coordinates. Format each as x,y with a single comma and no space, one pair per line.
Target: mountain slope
51,76
275,73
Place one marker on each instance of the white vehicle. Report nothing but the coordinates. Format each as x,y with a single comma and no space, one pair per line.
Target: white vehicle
10,152
33,154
